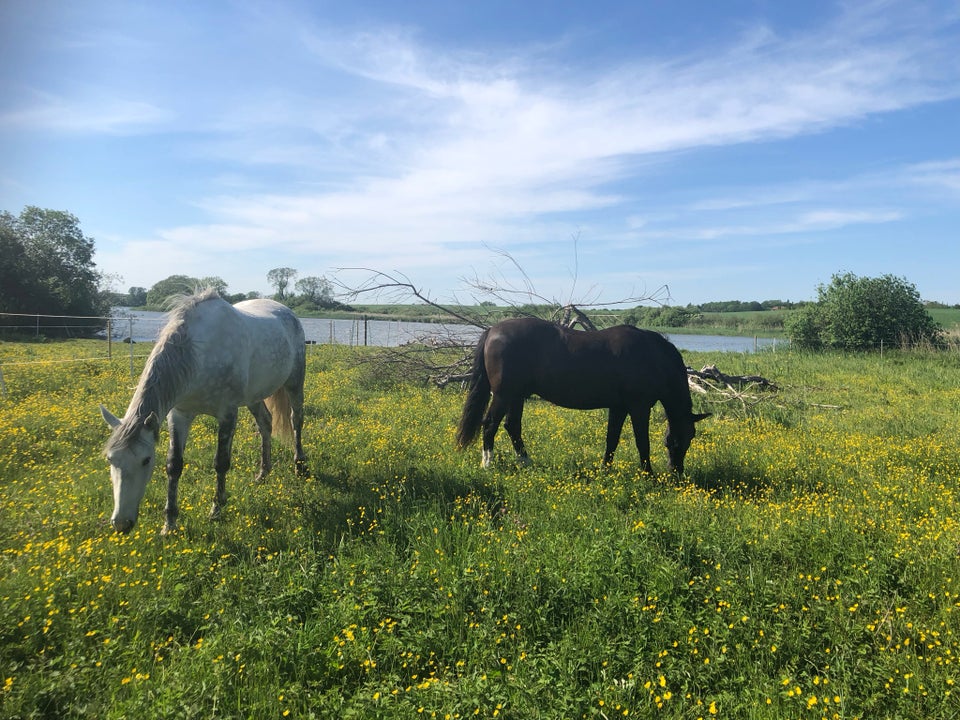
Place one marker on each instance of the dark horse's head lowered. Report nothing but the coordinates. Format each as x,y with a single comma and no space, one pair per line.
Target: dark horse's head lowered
680,433
623,369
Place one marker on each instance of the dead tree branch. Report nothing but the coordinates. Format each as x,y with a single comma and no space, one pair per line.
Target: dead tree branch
569,316
443,356
398,284
520,295
723,388
712,372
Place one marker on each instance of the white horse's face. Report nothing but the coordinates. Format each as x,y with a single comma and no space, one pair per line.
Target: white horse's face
130,469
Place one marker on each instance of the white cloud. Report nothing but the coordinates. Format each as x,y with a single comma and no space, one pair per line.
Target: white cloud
812,221
109,115
484,142
943,174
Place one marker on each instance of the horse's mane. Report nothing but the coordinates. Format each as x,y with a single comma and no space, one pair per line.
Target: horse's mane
167,370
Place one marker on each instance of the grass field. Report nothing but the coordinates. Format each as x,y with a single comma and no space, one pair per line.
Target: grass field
807,567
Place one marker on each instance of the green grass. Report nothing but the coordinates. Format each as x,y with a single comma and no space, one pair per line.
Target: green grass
948,318
809,566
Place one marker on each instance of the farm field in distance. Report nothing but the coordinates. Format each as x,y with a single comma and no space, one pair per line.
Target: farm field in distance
808,565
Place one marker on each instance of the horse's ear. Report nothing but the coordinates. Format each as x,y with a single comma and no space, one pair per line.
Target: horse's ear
701,416
152,423
111,419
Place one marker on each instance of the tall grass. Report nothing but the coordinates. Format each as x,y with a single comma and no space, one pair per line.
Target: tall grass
808,566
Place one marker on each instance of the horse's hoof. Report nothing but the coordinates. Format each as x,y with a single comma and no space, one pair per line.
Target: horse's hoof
168,530
524,461
486,460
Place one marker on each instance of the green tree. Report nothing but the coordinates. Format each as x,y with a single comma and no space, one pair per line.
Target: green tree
161,292
137,296
15,281
212,282
316,290
48,265
861,313
280,278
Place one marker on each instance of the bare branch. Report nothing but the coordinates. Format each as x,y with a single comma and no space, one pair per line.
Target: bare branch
498,287
443,356
719,387
399,283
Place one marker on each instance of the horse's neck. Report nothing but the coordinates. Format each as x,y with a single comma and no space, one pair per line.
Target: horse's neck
677,405
162,382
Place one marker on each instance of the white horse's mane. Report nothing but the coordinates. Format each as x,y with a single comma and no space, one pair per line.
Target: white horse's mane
167,369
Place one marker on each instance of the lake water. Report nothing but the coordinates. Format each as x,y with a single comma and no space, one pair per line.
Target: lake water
145,326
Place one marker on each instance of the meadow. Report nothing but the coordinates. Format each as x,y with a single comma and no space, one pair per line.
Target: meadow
808,565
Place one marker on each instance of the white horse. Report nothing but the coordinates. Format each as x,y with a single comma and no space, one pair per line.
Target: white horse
210,359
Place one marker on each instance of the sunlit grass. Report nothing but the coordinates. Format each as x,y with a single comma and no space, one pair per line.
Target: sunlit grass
808,566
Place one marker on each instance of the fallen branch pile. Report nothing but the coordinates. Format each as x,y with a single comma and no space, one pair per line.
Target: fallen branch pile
720,387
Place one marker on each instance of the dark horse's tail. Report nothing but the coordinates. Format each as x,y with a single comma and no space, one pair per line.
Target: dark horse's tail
478,395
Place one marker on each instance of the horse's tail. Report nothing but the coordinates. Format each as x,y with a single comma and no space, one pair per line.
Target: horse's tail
478,395
279,406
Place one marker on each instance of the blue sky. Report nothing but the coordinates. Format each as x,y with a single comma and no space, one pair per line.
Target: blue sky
593,152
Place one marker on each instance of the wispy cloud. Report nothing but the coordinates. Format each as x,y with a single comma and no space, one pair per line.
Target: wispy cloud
89,116
942,174
480,144
793,223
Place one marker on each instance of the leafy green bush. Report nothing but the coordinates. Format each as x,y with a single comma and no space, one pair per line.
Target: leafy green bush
861,313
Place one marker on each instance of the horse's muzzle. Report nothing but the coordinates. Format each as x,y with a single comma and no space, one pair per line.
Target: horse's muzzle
123,526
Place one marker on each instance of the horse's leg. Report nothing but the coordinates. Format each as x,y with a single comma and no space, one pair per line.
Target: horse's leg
640,418
296,405
512,425
221,463
615,419
491,423
178,424
265,427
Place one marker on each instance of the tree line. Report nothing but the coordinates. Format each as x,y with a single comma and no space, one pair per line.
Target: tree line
48,269
310,293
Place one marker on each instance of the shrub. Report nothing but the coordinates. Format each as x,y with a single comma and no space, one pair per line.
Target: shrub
861,313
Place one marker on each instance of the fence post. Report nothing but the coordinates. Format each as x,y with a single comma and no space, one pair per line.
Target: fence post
131,348
109,339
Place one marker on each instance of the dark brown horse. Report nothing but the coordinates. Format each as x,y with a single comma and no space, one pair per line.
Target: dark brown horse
622,368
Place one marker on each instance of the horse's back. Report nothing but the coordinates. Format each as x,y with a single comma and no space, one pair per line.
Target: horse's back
581,369
275,334
272,318
218,325
514,350
245,352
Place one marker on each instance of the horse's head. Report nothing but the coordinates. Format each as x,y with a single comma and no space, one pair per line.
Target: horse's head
680,434
132,453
